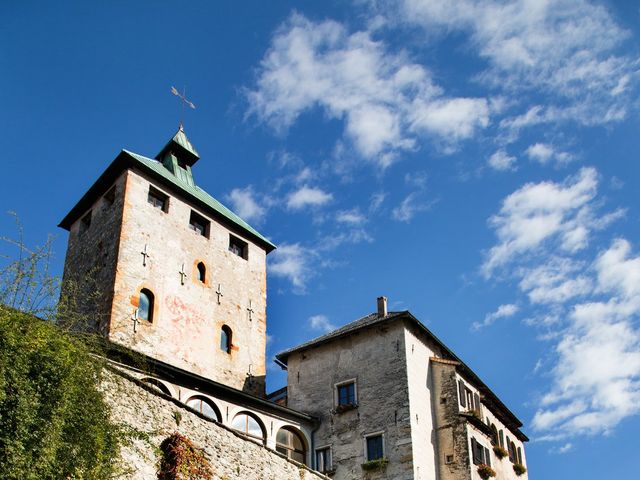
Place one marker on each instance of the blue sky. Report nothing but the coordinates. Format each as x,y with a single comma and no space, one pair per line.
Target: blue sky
474,161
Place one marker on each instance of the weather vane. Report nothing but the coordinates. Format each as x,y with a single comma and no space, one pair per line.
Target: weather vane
183,97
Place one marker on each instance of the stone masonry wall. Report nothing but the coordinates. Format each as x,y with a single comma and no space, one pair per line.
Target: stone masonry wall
232,456
375,358
90,263
451,430
187,318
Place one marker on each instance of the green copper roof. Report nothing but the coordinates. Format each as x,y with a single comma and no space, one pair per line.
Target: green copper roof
197,192
181,147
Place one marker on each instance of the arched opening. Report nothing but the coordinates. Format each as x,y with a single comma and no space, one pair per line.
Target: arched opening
145,305
205,407
289,442
158,385
519,451
202,272
494,435
249,425
225,339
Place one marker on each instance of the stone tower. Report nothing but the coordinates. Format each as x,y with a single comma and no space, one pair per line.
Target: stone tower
159,266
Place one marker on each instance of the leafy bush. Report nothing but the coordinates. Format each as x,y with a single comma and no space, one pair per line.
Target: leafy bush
519,469
54,421
485,471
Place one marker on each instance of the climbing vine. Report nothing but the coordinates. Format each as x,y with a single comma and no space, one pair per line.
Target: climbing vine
182,460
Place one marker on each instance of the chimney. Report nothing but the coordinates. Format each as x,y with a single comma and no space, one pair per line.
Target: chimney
382,306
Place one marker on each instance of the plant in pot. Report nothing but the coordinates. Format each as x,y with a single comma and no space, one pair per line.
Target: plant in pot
499,451
519,469
485,471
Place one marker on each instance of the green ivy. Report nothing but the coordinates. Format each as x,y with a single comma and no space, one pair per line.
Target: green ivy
375,464
54,420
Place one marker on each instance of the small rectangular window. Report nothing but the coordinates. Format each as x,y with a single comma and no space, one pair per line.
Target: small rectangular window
375,447
199,224
480,454
238,247
110,196
85,222
323,459
158,199
347,394
448,459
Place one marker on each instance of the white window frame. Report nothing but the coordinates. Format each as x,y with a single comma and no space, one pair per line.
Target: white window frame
336,397
374,434
328,467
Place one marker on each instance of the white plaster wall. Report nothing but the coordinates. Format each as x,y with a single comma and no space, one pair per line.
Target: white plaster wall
423,436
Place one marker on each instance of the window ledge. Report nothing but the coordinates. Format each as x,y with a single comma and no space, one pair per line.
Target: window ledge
378,464
346,407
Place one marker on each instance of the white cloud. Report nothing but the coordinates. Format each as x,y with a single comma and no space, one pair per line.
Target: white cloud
544,153
293,262
308,196
588,310
384,100
502,161
567,447
409,207
569,50
244,203
556,281
503,311
540,212
351,217
321,322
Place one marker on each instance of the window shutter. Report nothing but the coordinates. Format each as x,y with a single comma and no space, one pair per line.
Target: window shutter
476,400
474,451
463,401
487,457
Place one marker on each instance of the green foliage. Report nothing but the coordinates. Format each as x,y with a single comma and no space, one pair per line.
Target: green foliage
485,471
378,464
182,460
519,469
499,451
54,421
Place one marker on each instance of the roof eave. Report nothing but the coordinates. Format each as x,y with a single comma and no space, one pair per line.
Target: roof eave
125,160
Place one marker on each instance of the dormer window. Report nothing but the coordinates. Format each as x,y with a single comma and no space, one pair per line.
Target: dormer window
199,224
238,247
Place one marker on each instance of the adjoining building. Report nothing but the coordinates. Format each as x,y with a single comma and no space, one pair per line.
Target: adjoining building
164,270
391,397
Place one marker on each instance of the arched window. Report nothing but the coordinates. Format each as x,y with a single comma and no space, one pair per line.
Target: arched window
145,305
225,339
248,425
501,439
520,456
494,435
205,407
202,272
290,443
158,385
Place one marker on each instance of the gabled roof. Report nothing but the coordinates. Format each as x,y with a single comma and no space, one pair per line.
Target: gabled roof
374,320
129,160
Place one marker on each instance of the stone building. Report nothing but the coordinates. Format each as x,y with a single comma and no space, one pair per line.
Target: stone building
177,283
392,400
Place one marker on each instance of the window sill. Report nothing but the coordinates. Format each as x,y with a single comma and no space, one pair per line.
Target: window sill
346,407
372,465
